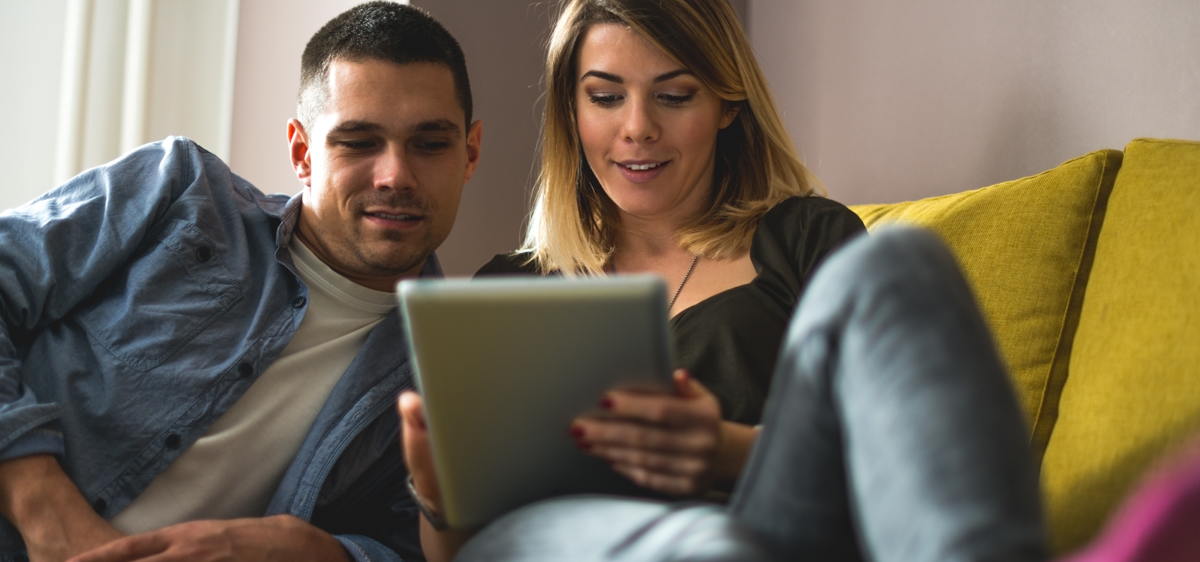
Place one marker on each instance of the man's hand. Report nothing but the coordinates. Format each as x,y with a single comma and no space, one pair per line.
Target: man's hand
438,546
280,537
55,520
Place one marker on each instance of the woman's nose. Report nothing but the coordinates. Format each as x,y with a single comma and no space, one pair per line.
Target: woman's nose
641,125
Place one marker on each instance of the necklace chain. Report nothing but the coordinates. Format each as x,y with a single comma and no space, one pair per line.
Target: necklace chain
612,262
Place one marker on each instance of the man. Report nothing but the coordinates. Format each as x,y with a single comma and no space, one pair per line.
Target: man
212,371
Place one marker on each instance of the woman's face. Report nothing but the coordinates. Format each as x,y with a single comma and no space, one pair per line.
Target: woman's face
647,125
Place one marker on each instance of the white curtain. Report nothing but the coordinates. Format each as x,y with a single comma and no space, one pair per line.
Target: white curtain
134,71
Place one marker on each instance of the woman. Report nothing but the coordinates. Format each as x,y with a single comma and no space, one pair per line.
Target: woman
662,152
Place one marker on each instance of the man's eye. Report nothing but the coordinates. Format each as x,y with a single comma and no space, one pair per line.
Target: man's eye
604,100
358,144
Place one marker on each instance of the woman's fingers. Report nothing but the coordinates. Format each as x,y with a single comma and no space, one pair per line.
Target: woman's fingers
698,408
665,463
597,432
663,482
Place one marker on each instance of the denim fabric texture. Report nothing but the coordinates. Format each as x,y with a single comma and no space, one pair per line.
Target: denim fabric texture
891,433
140,300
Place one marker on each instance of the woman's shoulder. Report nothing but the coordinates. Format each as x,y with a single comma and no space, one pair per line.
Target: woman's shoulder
795,235
794,209
808,216
515,263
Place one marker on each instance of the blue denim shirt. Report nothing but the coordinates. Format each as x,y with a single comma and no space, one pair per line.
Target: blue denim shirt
140,300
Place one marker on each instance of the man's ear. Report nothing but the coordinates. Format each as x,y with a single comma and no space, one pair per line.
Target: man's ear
474,140
731,112
298,150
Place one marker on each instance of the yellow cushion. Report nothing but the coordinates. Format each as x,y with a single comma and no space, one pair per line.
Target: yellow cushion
1134,388
1021,245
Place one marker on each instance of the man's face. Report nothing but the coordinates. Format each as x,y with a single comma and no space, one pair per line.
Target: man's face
383,167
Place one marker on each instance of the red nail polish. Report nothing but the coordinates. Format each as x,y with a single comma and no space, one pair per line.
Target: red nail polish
606,403
576,431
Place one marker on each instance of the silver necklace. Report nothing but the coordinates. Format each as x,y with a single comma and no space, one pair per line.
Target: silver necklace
612,262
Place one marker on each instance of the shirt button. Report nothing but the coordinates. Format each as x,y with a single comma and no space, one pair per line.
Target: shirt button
173,441
204,253
245,369
100,505
299,302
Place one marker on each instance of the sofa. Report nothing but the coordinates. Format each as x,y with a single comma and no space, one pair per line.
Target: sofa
1089,275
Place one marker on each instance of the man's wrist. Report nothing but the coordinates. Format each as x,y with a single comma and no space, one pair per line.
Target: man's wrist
31,487
431,514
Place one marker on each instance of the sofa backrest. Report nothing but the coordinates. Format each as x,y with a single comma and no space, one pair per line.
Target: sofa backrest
1133,390
1025,247
1089,275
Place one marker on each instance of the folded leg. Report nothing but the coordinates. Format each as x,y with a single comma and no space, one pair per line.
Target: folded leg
891,426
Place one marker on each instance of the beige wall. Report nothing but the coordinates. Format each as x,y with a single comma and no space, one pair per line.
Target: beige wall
886,100
889,101
502,40
271,36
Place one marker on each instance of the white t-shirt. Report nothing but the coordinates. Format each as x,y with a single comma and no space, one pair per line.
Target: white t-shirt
234,469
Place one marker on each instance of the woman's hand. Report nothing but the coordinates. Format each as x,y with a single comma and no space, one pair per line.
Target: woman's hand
438,545
673,444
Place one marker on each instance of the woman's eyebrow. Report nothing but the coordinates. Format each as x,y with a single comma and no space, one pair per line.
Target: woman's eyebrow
603,76
614,78
672,74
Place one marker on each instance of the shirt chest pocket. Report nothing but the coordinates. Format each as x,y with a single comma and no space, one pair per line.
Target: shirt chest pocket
161,299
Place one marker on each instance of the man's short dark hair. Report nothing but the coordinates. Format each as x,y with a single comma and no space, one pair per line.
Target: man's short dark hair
384,31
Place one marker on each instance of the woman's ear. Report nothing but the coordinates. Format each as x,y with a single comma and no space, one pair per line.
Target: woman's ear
731,112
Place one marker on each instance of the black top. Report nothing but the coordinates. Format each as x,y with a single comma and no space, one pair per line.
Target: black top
730,341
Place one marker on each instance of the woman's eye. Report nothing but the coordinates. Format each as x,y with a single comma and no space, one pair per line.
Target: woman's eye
604,100
676,99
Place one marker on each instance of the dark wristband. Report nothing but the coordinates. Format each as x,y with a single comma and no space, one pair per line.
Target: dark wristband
439,523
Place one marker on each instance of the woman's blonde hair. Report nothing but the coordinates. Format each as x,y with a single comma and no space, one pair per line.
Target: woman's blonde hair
573,226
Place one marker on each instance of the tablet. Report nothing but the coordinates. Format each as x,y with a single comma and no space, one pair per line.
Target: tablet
505,364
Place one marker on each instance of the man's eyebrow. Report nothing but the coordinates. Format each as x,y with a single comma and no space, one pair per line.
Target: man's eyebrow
356,127
435,125
438,125
614,78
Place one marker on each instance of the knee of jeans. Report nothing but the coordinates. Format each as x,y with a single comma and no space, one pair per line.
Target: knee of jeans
890,254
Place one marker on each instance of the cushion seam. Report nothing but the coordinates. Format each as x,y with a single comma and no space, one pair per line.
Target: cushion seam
1047,415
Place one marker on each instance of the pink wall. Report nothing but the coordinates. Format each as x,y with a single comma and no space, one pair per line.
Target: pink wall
271,36
890,101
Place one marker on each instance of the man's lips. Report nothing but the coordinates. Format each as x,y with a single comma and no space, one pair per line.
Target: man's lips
395,216
393,219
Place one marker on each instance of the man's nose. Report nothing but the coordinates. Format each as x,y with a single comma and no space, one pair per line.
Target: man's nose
394,170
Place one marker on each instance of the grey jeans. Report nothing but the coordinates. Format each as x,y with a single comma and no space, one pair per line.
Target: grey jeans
891,434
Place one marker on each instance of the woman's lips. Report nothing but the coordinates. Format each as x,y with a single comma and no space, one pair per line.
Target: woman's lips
641,172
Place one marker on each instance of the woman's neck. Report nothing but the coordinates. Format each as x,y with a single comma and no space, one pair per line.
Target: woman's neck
649,247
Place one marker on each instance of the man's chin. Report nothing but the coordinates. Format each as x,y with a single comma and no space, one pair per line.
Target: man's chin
398,264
